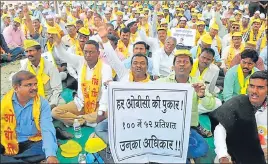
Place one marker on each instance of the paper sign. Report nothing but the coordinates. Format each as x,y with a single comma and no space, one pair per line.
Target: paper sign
185,37
149,122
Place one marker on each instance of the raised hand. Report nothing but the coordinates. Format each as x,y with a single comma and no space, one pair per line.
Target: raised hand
103,30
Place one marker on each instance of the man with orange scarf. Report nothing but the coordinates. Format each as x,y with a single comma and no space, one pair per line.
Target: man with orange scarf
27,132
237,78
91,94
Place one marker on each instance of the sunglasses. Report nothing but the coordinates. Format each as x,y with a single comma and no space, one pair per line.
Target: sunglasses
235,28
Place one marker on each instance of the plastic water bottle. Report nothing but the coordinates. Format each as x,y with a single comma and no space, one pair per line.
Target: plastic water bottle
77,129
82,158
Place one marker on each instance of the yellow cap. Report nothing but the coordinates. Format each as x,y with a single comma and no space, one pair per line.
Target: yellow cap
231,7
160,13
206,39
94,145
199,16
163,22
119,13
238,12
68,4
146,9
194,14
232,19
209,5
180,14
214,26
29,43
161,28
256,21
183,52
200,23
236,23
70,23
5,16
193,9
17,19
70,149
238,34
251,42
84,31
52,30
165,8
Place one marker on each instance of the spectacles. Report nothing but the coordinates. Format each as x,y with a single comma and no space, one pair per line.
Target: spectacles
30,85
235,28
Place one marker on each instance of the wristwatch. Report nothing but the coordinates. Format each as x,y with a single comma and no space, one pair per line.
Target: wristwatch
100,113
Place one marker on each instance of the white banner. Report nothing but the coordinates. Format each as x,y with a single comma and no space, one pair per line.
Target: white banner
149,122
185,37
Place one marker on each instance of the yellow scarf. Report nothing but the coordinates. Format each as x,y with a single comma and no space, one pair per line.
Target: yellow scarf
194,70
122,48
133,37
146,27
161,44
8,124
167,18
78,49
91,88
232,53
198,36
218,43
198,52
42,78
251,36
244,30
241,79
131,78
50,50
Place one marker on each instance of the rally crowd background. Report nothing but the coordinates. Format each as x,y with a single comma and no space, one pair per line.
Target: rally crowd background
224,30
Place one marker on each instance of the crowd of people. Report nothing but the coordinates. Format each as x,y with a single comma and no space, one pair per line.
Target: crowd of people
85,45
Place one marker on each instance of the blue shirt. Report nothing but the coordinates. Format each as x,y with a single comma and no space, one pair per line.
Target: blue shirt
26,128
127,63
216,57
263,55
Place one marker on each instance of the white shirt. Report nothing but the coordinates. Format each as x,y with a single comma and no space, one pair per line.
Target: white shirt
207,14
78,62
154,43
162,63
210,77
225,54
220,133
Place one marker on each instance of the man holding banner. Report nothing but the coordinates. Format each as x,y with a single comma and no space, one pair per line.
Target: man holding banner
182,65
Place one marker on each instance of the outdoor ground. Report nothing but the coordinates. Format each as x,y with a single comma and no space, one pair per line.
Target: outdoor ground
6,70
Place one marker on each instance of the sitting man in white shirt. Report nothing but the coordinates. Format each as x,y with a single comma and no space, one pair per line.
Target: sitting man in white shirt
163,59
241,135
92,73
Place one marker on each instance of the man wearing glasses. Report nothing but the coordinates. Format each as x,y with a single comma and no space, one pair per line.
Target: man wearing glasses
226,41
92,74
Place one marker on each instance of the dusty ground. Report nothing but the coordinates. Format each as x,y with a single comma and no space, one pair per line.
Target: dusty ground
5,73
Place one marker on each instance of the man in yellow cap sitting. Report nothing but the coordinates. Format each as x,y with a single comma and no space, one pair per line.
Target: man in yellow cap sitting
226,41
92,74
14,36
231,51
254,34
27,132
70,39
49,79
206,42
248,45
182,66
200,31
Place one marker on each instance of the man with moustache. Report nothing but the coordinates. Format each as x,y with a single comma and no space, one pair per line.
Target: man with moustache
49,79
182,65
92,74
27,132
237,78
241,135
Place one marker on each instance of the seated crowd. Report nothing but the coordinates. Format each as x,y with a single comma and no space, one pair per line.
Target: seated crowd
88,45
